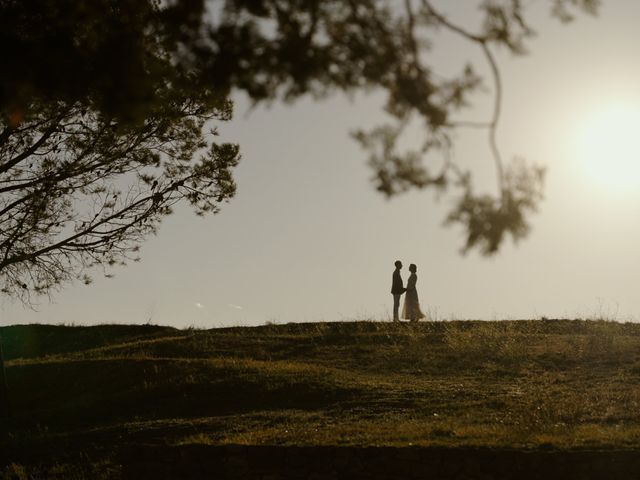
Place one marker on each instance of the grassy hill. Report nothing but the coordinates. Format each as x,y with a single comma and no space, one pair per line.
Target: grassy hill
84,392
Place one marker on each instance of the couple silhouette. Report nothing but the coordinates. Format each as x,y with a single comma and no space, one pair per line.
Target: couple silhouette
411,309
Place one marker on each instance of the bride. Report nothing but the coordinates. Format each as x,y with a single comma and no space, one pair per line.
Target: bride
411,310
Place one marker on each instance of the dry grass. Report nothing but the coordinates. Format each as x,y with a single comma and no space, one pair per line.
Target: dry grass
526,384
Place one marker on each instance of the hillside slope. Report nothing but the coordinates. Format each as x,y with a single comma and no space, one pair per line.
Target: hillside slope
562,384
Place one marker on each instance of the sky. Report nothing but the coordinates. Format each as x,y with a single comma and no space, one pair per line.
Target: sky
307,237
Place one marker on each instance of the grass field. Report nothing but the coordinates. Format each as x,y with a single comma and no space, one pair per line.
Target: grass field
78,394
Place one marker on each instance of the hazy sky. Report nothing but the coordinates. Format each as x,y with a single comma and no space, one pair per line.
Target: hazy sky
307,238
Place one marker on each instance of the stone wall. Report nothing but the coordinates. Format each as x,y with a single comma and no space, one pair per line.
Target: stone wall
375,463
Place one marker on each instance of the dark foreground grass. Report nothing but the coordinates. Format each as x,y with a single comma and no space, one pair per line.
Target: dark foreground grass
79,394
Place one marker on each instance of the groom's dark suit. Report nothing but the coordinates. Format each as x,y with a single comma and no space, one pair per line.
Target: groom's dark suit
397,289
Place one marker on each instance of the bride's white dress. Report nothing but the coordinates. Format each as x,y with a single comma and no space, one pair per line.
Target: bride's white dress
411,309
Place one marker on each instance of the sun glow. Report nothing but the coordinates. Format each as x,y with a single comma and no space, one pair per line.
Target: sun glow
608,148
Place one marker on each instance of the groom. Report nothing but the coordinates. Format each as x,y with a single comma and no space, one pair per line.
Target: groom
397,289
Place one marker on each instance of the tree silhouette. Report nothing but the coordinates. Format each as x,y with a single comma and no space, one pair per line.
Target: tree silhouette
111,57
78,189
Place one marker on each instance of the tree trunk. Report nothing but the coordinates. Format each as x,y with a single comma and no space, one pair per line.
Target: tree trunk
4,390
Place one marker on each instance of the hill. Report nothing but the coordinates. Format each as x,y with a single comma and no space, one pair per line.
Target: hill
85,392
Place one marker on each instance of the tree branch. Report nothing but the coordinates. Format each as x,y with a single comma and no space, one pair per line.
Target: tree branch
443,20
31,150
495,117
